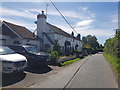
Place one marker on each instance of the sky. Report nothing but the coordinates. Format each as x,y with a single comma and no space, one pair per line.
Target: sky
87,18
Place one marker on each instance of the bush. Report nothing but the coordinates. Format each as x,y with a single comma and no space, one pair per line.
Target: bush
112,51
54,55
84,51
111,46
78,53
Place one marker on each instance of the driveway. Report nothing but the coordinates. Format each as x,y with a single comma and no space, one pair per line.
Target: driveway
29,77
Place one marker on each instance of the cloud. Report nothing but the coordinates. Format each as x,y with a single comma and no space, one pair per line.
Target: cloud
96,32
53,12
23,23
84,23
115,20
83,8
84,31
32,10
73,14
65,13
110,22
70,14
13,12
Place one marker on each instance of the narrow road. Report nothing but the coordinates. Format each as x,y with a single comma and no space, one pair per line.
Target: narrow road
96,73
91,72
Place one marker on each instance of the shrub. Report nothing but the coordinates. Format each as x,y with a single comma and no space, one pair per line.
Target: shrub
112,50
54,55
78,53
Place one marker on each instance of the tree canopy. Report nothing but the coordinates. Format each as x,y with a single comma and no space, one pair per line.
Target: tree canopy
90,42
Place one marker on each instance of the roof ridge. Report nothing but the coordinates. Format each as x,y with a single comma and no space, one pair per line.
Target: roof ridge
14,24
58,28
68,35
21,30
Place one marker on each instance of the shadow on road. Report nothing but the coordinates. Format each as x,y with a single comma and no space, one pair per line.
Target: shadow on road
12,79
40,70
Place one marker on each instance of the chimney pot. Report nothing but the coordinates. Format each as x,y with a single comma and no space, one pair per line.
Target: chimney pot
42,12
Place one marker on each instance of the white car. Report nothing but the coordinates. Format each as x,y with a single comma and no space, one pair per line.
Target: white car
11,61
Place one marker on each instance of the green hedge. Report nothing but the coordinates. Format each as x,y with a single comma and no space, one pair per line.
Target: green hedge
112,51
111,46
69,62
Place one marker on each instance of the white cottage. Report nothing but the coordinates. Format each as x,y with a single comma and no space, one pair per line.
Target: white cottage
46,37
50,33
15,34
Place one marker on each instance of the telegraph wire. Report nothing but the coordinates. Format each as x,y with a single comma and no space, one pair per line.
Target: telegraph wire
63,16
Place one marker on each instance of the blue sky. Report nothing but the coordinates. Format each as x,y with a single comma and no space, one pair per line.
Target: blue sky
94,18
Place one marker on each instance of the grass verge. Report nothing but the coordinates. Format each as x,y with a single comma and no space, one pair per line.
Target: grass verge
69,62
113,61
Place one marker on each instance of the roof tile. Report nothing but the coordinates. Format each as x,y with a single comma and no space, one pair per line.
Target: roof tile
22,31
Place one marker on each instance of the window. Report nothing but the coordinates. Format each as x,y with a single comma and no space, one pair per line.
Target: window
2,41
31,49
16,42
5,50
17,48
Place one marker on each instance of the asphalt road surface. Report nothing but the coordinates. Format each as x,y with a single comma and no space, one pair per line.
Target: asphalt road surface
96,73
91,72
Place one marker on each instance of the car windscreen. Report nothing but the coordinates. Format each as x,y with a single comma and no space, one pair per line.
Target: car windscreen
5,50
31,49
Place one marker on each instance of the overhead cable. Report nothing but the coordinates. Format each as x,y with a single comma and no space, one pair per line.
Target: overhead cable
63,17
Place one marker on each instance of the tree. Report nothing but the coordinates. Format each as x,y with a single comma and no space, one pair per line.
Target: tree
84,40
90,42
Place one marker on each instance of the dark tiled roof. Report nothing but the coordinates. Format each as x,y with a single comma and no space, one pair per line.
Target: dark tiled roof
20,30
60,31
4,30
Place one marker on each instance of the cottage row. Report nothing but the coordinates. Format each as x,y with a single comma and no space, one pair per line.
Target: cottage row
45,38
